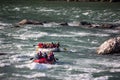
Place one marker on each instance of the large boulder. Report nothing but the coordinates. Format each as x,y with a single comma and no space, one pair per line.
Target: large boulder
110,46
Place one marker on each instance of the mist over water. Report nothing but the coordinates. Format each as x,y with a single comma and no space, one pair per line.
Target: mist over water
78,62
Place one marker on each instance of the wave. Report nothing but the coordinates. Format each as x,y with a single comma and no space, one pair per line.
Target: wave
29,76
111,31
89,34
4,25
30,35
2,74
51,24
60,35
4,63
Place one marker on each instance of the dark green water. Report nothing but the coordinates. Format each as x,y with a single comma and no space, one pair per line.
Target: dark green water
79,62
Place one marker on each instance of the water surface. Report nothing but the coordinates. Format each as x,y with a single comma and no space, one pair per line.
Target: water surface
78,62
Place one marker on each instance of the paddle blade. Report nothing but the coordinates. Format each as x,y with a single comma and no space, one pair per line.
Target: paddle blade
31,58
65,49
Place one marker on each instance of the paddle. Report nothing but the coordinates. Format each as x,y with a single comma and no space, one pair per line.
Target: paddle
65,49
31,58
56,59
34,45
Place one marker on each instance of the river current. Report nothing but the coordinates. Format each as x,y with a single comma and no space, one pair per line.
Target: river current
78,62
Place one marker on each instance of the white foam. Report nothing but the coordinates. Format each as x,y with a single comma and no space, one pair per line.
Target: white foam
85,47
85,13
2,74
84,68
4,64
19,58
114,70
91,70
84,76
110,64
75,39
1,27
111,31
117,22
16,9
39,66
102,78
20,66
94,42
4,24
52,24
89,34
44,9
75,23
32,65
60,35
31,75
19,46
105,62
29,35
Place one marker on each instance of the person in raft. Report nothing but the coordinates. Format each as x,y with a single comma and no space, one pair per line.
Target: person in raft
51,57
48,45
45,55
39,55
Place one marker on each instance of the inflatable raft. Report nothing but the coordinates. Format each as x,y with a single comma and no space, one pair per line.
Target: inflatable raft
48,49
44,61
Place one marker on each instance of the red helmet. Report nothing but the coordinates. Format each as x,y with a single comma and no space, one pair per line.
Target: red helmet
40,44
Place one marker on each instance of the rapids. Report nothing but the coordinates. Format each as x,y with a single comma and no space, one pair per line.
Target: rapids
78,62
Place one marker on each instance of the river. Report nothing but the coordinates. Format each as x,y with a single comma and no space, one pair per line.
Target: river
78,62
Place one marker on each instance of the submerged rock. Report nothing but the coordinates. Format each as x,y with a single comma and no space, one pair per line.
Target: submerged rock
110,46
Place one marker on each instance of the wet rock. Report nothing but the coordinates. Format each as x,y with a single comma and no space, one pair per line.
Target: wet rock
108,26
64,23
95,25
117,28
110,46
25,21
85,23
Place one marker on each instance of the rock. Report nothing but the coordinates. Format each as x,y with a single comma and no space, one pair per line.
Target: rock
110,46
117,28
85,23
95,26
64,23
108,26
25,21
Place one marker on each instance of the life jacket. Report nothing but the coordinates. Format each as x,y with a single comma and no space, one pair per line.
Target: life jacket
39,54
42,60
50,56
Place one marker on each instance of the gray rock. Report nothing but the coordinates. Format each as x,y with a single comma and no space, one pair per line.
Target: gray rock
110,46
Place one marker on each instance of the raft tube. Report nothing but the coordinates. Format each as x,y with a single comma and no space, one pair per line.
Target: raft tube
44,61
49,49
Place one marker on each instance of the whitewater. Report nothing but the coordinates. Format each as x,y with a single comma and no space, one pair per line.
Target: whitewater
78,62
